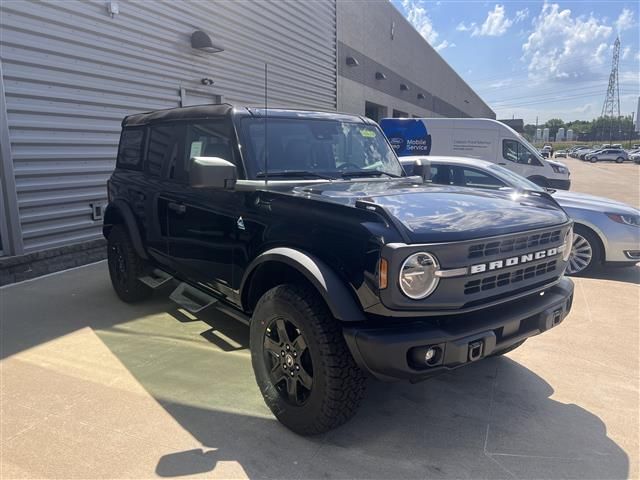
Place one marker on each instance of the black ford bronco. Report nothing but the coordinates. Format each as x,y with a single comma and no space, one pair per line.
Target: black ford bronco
305,226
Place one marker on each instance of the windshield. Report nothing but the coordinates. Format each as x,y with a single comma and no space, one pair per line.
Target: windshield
298,147
514,180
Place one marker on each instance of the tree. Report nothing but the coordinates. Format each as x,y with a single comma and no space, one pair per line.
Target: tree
553,125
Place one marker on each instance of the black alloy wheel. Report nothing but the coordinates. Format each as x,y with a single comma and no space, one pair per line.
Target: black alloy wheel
289,362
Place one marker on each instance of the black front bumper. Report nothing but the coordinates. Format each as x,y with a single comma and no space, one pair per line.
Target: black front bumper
558,184
390,353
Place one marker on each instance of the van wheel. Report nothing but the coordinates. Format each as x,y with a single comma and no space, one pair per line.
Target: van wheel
586,253
619,160
125,266
302,365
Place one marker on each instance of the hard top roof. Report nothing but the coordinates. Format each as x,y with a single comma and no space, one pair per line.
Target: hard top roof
198,112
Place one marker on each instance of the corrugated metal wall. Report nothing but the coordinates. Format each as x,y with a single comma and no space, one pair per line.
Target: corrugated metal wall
71,72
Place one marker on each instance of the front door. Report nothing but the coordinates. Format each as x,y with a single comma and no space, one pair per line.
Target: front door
202,223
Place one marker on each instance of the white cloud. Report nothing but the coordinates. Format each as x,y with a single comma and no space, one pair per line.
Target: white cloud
521,15
495,25
563,47
583,109
464,28
625,52
419,18
444,44
501,83
625,20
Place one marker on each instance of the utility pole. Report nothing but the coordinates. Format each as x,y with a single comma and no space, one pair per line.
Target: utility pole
611,105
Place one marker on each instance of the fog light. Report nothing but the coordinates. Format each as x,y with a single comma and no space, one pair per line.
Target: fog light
429,354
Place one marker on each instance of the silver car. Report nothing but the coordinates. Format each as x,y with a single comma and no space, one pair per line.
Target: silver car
605,231
611,154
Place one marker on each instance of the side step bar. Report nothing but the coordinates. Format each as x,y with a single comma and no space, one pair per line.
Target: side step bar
156,278
192,299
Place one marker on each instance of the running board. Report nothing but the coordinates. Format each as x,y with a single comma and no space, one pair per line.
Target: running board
191,299
156,278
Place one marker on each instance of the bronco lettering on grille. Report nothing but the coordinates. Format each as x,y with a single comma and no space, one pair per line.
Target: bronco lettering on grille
517,260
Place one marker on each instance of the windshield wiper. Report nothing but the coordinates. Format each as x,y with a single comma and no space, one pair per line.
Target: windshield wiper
367,173
293,173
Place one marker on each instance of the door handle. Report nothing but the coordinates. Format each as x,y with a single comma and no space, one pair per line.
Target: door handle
501,163
177,207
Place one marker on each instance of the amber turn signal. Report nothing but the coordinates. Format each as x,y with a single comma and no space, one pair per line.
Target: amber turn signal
382,274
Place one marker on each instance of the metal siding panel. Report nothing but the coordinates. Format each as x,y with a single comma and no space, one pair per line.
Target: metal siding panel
72,73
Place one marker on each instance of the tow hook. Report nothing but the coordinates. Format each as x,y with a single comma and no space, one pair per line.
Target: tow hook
475,350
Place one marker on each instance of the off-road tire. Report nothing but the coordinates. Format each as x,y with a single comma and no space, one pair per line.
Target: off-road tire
338,383
125,266
508,349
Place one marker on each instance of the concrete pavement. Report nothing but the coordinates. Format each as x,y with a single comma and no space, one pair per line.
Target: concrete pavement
93,388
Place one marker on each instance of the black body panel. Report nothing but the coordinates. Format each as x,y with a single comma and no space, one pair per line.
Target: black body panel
334,232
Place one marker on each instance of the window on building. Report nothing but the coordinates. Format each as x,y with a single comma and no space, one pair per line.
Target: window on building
400,114
374,111
130,149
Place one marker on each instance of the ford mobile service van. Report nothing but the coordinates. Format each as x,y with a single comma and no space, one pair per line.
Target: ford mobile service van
481,138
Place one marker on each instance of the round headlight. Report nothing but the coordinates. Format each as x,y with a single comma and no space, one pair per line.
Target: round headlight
568,244
418,275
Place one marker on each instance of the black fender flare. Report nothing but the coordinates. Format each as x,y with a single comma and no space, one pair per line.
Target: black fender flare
331,287
123,211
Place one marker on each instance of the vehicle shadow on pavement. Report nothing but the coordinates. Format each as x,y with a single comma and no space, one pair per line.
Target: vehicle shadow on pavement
493,419
618,274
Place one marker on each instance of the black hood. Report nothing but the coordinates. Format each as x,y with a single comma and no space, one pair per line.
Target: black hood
430,213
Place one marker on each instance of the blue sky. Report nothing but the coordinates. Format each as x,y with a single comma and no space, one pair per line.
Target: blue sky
528,59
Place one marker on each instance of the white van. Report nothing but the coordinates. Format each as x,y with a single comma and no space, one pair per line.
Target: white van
476,138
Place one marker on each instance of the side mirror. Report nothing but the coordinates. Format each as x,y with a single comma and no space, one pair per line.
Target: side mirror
212,172
422,168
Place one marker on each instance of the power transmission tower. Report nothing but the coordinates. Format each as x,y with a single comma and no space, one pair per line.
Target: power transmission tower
611,104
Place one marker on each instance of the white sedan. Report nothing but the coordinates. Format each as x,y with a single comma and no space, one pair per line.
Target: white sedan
605,231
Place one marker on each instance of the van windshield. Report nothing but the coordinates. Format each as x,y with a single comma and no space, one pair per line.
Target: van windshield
315,148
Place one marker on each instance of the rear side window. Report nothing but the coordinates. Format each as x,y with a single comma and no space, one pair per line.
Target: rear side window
130,149
163,149
471,177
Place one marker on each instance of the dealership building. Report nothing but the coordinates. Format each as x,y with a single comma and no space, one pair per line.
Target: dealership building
71,70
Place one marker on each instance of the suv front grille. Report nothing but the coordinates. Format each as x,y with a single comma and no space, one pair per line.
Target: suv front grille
502,279
513,244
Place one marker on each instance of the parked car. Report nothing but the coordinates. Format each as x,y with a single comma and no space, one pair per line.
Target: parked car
582,154
606,232
575,151
304,226
561,154
607,154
